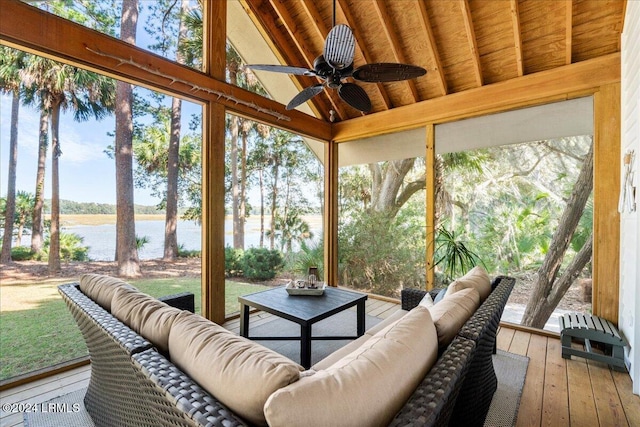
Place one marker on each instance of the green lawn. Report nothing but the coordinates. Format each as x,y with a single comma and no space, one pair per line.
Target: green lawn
45,334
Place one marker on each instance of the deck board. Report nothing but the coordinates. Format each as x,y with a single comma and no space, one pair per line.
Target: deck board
555,402
530,412
556,391
582,408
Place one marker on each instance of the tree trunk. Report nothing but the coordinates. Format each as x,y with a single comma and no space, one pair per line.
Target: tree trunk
128,262
54,231
37,228
5,255
274,198
173,157
173,168
242,210
235,188
386,195
547,291
261,183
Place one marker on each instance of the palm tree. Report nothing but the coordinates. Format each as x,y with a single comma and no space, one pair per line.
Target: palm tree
11,61
24,206
126,250
60,87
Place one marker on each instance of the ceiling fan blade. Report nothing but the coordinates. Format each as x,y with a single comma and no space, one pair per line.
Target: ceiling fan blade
355,96
304,96
298,71
339,47
387,72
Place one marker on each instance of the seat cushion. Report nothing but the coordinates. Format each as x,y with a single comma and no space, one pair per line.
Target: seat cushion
101,288
450,314
476,278
239,373
146,315
368,386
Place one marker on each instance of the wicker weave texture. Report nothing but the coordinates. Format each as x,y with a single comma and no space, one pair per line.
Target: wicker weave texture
114,393
432,403
176,399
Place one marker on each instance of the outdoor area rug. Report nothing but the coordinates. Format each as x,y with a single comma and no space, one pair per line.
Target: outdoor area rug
341,324
511,370
63,411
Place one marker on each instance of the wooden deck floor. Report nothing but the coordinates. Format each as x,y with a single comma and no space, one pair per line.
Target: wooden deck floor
557,392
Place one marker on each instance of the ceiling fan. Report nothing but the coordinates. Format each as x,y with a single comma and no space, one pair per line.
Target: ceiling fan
335,66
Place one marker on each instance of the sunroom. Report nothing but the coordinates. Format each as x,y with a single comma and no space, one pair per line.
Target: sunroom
497,74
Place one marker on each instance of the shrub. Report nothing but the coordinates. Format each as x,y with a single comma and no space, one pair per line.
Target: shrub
232,261
71,248
261,263
186,253
22,253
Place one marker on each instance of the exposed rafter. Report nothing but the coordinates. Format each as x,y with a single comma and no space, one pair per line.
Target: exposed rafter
433,47
359,47
394,42
283,48
568,31
306,52
517,38
473,44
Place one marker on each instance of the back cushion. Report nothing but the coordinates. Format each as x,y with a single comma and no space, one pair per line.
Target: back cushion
146,315
476,278
239,373
365,388
450,314
101,288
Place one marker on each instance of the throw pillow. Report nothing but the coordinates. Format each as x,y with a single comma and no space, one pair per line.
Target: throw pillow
452,312
146,315
426,301
440,295
239,373
101,288
476,278
365,388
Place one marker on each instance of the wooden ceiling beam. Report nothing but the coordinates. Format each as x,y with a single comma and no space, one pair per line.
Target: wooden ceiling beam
473,44
517,36
569,81
433,47
394,42
568,31
342,7
62,40
307,53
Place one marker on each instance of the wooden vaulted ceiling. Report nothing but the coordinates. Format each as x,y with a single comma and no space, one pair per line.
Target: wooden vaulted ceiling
463,44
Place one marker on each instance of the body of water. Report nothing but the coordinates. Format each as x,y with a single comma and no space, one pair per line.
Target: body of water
101,239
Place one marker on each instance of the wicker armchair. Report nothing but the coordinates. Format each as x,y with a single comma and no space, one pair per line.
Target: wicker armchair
480,382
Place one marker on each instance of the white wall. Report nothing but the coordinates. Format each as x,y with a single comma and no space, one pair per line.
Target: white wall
629,319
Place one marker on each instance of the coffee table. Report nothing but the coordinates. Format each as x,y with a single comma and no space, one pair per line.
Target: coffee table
304,310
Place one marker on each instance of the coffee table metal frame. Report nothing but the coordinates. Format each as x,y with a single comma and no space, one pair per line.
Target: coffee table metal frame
304,310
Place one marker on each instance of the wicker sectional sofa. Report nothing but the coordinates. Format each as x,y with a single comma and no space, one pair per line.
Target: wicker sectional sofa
133,382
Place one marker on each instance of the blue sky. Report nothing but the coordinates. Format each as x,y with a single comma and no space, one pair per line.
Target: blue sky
87,174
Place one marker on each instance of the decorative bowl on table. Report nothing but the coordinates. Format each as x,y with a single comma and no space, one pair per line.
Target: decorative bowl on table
303,287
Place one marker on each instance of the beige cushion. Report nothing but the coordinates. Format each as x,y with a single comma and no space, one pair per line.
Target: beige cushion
399,314
341,353
450,314
146,315
240,373
476,278
367,387
101,288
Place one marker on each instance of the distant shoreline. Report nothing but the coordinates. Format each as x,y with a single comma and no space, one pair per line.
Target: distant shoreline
101,219
70,220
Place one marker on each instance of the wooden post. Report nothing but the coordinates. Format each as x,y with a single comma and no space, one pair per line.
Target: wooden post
606,189
430,175
213,279
331,213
